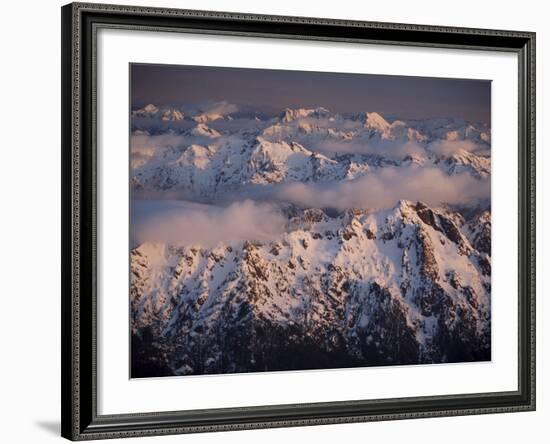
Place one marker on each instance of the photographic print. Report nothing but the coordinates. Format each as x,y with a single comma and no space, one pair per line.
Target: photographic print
290,220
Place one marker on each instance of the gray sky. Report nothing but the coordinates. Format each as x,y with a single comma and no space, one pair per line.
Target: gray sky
274,90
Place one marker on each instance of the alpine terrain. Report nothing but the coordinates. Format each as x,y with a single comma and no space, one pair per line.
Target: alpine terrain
306,239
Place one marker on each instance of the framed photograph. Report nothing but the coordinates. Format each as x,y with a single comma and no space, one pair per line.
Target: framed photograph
281,221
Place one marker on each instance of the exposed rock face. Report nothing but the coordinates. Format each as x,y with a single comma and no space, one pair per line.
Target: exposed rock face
339,286
209,156
401,286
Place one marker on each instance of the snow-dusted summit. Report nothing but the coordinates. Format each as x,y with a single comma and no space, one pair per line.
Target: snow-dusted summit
337,285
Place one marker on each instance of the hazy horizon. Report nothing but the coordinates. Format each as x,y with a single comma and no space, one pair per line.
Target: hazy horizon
270,91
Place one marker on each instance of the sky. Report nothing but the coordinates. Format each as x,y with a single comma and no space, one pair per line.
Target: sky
271,91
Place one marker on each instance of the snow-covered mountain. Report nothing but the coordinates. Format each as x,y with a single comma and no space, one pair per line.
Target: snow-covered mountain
290,114
165,113
304,145
339,284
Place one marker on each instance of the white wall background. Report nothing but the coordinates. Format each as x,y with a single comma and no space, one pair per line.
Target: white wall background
30,222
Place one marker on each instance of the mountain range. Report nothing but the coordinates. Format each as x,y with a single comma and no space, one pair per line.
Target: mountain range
307,239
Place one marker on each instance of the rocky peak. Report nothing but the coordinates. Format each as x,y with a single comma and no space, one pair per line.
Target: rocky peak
378,270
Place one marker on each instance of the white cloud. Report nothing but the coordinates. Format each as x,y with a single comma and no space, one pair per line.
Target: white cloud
222,108
185,223
143,147
450,147
384,188
146,144
393,149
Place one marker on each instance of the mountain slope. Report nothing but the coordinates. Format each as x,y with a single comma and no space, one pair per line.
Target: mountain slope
348,281
306,145
400,286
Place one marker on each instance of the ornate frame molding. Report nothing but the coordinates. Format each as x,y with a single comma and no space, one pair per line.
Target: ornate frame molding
80,22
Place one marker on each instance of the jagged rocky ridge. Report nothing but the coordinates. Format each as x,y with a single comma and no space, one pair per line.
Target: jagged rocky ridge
356,287
217,155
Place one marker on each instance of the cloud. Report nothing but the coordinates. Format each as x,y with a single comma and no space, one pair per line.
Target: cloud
336,122
392,149
224,108
186,223
212,110
384,188
450,147
145,143
164,147
143,147
236,125
337,136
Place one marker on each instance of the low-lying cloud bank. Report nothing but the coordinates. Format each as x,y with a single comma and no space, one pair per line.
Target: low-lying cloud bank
179,222
161,147
185,223
391,149
222,108
376,190
146,144
143,147
450,147
394,148
384,188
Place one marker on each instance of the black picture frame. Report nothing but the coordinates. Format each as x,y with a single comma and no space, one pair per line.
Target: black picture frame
80,22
